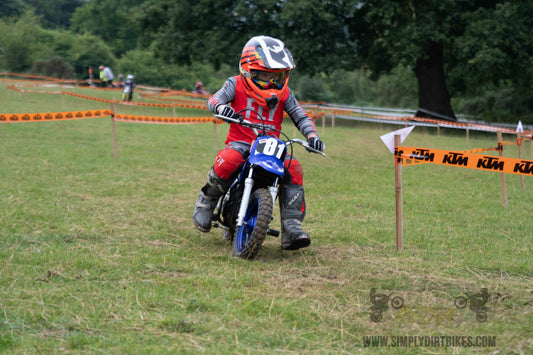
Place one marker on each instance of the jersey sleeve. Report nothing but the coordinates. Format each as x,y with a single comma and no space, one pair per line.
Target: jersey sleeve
224,95
301,119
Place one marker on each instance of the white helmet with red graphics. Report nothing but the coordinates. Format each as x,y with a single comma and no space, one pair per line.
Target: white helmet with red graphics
265,65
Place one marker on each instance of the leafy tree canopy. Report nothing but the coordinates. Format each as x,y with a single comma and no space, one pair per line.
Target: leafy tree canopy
111,20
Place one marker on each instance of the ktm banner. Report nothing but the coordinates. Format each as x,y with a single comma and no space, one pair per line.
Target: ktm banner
464,159
52,116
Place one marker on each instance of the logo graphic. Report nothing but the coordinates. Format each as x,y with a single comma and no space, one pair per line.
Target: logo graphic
380,302
476,303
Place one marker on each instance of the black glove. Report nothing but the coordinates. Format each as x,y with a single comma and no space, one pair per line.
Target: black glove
228,111
316,143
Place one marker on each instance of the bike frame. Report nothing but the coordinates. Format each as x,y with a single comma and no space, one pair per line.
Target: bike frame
269,154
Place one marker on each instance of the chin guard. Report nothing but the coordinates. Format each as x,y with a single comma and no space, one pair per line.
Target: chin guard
272,102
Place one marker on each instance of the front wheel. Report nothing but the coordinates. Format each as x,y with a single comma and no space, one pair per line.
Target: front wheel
250,236
460,302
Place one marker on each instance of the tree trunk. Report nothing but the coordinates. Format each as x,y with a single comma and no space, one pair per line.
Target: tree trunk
433,97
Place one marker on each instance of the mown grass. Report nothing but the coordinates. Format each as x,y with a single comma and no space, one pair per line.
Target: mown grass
99,255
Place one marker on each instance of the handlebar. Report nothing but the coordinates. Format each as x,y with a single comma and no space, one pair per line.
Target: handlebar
305,145
242,122
258,126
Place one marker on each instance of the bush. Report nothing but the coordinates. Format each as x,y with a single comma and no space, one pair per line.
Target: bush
55,67
86,50
500,104
313,89
21,43
152,71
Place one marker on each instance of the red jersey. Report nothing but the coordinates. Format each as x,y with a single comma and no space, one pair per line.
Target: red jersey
234,93
242,101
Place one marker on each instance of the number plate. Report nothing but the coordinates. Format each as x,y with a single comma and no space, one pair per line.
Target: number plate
271,146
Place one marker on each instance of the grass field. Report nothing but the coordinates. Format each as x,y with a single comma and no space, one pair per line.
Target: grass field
99,255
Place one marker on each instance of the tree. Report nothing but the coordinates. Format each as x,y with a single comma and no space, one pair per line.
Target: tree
10,8
463,45
452,46
54,13
22,42
187,31
111,20
414,33
493,61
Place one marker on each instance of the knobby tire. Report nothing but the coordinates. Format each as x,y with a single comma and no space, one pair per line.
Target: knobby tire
250,236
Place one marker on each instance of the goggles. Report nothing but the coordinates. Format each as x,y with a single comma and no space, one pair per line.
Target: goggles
269,80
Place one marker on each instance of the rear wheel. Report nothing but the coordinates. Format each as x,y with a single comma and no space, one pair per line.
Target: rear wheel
250,236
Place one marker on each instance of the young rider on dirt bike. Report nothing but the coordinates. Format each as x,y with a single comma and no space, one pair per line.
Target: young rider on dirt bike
261,88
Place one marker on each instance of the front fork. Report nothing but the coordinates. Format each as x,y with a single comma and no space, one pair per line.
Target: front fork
245,200
248,185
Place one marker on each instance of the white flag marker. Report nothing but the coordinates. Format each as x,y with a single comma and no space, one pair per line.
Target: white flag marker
388,138
519,127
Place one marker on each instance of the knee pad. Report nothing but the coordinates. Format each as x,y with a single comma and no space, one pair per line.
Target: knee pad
294,174
227,162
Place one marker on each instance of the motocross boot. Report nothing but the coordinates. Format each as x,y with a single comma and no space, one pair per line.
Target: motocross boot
207,200
292,207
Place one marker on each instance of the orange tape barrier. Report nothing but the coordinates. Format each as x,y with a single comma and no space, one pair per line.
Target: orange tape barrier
163,94
53,116
463,159
166,120
199,107
86,97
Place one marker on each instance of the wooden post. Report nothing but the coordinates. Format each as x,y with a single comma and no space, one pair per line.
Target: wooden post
399,203
114,137
323,123
438,130
467,133
113,130
333,121
531,147
504,186
519,141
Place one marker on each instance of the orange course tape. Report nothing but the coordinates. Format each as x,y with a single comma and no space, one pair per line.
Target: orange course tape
416,155
52,116
166,120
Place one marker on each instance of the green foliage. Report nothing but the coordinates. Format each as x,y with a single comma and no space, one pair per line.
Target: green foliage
356,87
88,50
54,67
495,46
189,31
54,13
315,32
20,42
10,8
113,21
25,45
312,89
502,103
488,54
153,71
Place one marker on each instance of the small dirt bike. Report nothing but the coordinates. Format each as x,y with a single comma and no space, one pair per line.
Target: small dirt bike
476,303
245,211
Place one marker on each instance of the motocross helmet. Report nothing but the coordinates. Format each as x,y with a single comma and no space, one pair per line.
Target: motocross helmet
265,54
